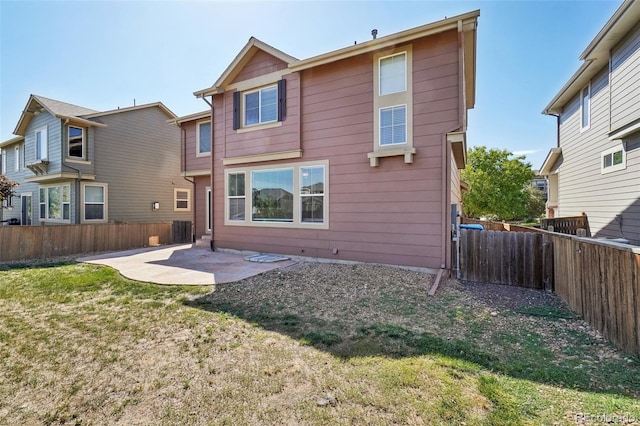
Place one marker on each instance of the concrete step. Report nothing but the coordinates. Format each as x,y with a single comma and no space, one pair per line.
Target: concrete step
204,241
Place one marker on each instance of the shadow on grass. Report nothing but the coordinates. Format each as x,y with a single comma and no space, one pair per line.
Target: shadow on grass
31,264
340,331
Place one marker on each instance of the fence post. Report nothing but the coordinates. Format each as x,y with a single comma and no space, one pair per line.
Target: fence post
547,263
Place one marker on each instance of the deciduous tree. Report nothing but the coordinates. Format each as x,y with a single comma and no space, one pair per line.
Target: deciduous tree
498,184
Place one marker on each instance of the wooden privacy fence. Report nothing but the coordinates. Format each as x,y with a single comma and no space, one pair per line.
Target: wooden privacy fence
41,242
601,282
182,231
509,258
567,225
490,225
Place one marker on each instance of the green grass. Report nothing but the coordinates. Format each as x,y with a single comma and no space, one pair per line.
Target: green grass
79,344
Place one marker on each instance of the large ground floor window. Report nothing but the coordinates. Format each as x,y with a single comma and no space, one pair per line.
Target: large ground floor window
286,195
55,203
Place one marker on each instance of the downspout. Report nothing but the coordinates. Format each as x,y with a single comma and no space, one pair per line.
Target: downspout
446,169
211,176
183,142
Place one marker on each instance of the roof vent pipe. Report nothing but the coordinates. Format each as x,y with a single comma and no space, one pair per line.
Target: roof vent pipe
374,33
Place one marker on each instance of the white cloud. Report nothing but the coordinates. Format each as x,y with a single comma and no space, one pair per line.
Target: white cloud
526,152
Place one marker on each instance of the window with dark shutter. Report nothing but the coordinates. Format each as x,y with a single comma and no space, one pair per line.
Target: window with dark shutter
282,99
236,110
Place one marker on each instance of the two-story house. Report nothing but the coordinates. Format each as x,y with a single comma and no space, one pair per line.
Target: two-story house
77,165
350,155
595,167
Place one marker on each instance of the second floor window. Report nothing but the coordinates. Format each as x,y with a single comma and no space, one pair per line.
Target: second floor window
204,138
261,106
76,142
585,107
393,74
613,159
393,125
41,144
17,158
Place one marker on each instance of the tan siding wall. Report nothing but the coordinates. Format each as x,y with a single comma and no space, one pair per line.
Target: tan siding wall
388,214
261,63
581,186
138,155
625,81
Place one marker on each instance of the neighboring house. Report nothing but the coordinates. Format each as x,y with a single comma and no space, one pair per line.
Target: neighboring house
351,155
596,166
76,165
540,183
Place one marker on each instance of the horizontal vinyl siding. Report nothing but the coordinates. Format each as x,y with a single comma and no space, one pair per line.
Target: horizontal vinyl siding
18,176
54,137
261,63
387,214
625,81
138,155
281,138
581,186
201,184
192,161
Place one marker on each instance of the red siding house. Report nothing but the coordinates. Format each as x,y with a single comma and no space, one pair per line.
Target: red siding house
352,155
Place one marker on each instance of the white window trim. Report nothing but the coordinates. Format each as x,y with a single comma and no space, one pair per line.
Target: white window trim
227,197
406,139
588,89
614,167
46,204
45,145
105,187
380,59
84,144
243,102
3,153
296,223
206,153
175,200
389,100
16,160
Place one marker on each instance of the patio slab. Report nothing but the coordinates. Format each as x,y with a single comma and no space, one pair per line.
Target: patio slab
183,264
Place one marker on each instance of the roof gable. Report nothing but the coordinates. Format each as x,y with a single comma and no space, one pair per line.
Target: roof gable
250,49
261,63
596,55
38,104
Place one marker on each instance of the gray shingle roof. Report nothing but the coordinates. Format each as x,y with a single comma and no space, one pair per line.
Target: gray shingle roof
63,108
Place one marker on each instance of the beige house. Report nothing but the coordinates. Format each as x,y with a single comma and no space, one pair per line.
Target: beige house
595,167
77,165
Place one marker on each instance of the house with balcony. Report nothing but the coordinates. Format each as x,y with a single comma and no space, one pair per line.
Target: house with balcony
595,167
77,165
354,154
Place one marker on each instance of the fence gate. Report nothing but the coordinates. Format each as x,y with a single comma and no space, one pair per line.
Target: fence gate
520,259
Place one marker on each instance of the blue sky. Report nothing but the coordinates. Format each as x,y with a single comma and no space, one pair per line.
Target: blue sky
103,55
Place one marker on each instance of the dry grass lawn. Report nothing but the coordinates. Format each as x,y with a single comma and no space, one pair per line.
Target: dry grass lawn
309,344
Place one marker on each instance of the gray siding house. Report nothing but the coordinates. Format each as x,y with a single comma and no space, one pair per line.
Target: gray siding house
595,167
77,165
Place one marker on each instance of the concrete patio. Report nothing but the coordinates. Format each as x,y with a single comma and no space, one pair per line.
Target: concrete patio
183,264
